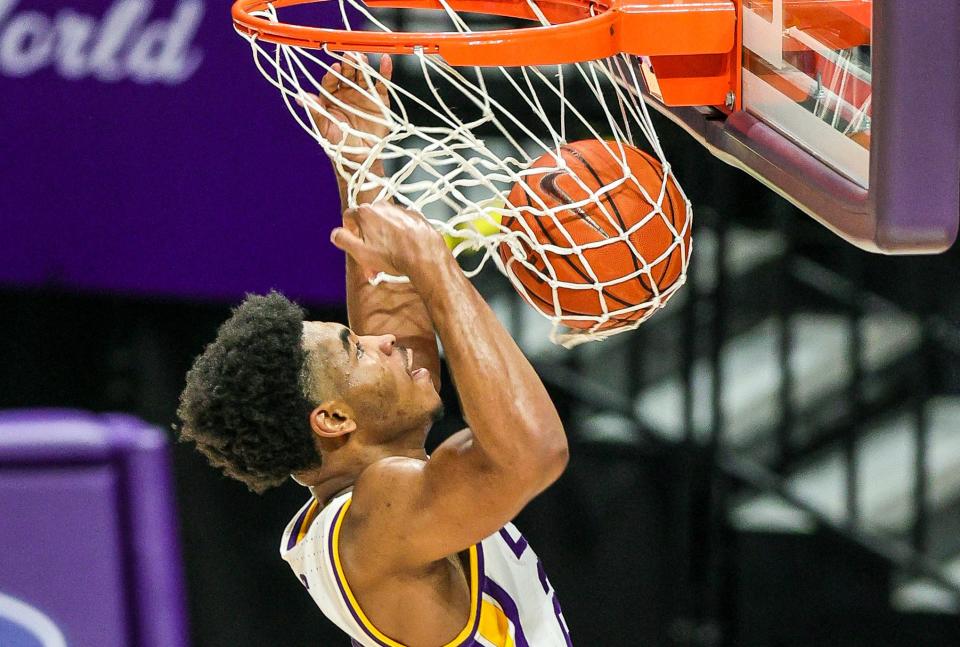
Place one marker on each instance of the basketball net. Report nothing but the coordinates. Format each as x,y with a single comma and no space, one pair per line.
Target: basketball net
458,162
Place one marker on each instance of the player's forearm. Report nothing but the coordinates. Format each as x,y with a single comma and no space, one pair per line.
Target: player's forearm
504,401
394,308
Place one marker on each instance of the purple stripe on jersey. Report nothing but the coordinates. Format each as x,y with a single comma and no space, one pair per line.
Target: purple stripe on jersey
517,546
336,576
557,611
542,574
509,608
292,540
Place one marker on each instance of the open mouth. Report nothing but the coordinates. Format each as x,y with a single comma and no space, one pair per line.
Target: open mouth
406,355
418,374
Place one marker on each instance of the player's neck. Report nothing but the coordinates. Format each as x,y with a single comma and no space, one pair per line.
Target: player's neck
339,474
326,492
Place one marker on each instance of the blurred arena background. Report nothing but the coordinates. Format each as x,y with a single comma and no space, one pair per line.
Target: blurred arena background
772,460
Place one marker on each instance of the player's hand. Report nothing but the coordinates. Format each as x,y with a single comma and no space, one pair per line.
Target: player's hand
358,119
383,237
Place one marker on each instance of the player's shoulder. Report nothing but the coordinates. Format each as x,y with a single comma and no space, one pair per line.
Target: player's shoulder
385,483
380,506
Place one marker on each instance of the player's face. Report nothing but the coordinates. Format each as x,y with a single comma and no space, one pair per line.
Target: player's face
374,376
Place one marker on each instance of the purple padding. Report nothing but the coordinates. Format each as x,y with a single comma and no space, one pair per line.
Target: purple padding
28,437
61,538
90,537
917,123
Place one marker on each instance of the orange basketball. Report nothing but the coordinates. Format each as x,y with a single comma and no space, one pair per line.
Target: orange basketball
623,207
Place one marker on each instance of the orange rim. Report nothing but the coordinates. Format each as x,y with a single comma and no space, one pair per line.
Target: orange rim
583,30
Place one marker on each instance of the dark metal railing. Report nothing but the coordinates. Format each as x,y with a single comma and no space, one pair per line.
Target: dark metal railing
854,318
785,302
937,334
745,471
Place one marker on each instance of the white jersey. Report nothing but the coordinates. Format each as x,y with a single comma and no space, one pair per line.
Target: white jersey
512,601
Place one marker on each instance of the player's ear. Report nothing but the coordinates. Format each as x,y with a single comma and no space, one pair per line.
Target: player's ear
332,418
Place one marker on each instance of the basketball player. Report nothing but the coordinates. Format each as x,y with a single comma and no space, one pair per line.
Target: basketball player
394,546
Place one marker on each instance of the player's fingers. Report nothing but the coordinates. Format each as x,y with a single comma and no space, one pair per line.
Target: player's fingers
386,66
380,207
330,80
356,217
317,101
350,62
349,242
361,214
386,71
351,225
389,211
331,127
346,68
373,215
310,102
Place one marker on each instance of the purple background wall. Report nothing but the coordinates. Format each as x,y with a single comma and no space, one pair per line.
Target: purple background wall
142,153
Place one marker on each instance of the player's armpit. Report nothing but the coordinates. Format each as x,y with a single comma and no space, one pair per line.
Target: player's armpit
418,512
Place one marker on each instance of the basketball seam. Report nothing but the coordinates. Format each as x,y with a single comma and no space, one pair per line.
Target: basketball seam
567,311
566,259
606,196
673,213
533,293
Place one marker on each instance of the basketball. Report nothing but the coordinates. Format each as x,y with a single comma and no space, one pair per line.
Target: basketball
589,166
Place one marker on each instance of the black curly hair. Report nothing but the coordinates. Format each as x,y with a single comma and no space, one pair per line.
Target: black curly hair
245,404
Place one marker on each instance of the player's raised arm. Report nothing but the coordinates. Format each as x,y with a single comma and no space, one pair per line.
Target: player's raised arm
393,308
481,478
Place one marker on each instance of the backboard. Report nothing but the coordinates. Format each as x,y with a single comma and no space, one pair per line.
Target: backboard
850,109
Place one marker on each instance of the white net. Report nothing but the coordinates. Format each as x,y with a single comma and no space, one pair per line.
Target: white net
459,139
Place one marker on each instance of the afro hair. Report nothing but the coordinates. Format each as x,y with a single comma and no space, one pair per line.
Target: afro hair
244,404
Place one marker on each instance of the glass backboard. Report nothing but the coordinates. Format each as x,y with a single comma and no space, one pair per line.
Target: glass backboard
851,110
807,72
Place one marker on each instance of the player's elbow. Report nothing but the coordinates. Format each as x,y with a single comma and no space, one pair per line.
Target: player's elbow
557,459
536,456
553,455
